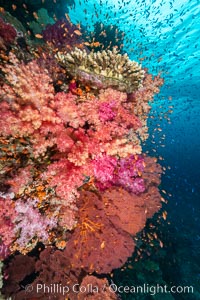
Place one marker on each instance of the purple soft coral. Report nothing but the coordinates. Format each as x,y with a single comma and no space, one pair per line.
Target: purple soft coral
125,172
62,33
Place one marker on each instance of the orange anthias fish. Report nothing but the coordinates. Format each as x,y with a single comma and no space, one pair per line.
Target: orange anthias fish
93,44
14,7
39,36
2,10
77,32
35,15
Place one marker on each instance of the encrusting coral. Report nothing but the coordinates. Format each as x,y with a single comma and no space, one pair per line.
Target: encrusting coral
103,69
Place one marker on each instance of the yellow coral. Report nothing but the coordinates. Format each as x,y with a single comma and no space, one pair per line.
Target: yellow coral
103,69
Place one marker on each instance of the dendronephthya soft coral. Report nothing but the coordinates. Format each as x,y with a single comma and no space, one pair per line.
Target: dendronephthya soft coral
73,162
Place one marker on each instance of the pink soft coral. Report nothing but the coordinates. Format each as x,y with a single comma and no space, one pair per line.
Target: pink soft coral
106,111
65,177
67,110
29,84
11,124
7,217
124,172
104,167
31,225
127,174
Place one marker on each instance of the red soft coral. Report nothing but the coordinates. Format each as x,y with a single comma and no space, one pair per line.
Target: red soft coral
7,34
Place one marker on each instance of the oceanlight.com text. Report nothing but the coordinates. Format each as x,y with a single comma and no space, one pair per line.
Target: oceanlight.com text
151,289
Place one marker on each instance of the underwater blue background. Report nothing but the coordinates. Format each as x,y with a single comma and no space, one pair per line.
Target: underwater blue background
166,35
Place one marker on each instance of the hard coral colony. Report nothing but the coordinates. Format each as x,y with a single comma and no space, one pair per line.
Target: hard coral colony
76,187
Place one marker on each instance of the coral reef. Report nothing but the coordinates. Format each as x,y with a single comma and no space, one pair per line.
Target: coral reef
32,226
101,289
14,22
28,84
124,172
1,277
4,251
24,10
95,240
62,33
42,19
103,69
75,185
18,268
7,34
7,217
